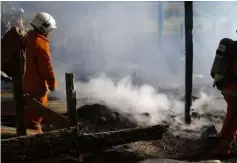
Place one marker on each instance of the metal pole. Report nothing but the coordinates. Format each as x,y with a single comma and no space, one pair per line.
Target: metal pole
188,7
18,94
71,99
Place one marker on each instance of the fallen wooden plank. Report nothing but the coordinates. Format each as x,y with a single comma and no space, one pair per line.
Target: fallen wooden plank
88,142
52,117
8,106
7,132
57,160
62,141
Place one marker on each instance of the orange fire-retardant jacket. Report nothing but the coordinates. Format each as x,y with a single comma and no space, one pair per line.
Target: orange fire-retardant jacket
39,71
231,88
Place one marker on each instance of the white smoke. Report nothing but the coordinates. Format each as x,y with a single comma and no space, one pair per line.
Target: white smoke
125,97
120,39
129,98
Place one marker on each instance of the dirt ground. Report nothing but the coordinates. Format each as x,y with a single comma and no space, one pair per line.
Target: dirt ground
170,149
95,118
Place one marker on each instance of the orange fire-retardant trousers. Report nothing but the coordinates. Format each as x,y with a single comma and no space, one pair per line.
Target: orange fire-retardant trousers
228,131
33,117
38,77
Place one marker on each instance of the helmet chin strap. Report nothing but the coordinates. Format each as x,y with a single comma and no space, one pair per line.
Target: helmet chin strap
38,30
49,35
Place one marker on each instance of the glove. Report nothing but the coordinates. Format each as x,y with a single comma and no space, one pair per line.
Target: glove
51,89
6,78
218,77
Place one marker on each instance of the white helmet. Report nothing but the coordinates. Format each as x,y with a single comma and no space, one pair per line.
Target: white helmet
44,22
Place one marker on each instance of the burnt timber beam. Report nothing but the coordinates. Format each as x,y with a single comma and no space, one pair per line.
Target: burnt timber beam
59,142
51,116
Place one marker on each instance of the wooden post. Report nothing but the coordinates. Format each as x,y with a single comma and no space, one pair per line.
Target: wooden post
17,81
71,99
188,7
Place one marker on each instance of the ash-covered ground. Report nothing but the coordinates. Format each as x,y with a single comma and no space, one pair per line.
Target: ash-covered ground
181,142
124,106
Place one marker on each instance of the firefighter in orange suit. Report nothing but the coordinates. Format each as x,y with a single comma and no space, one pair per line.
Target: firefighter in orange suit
229,91
39,76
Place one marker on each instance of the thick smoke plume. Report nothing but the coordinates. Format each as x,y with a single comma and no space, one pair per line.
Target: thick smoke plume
127,98
120,40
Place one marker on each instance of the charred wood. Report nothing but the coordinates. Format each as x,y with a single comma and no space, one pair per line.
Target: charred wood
71,99
89,142
51,116
57,143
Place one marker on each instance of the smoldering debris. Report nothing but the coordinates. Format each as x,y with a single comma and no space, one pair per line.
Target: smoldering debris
103,116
